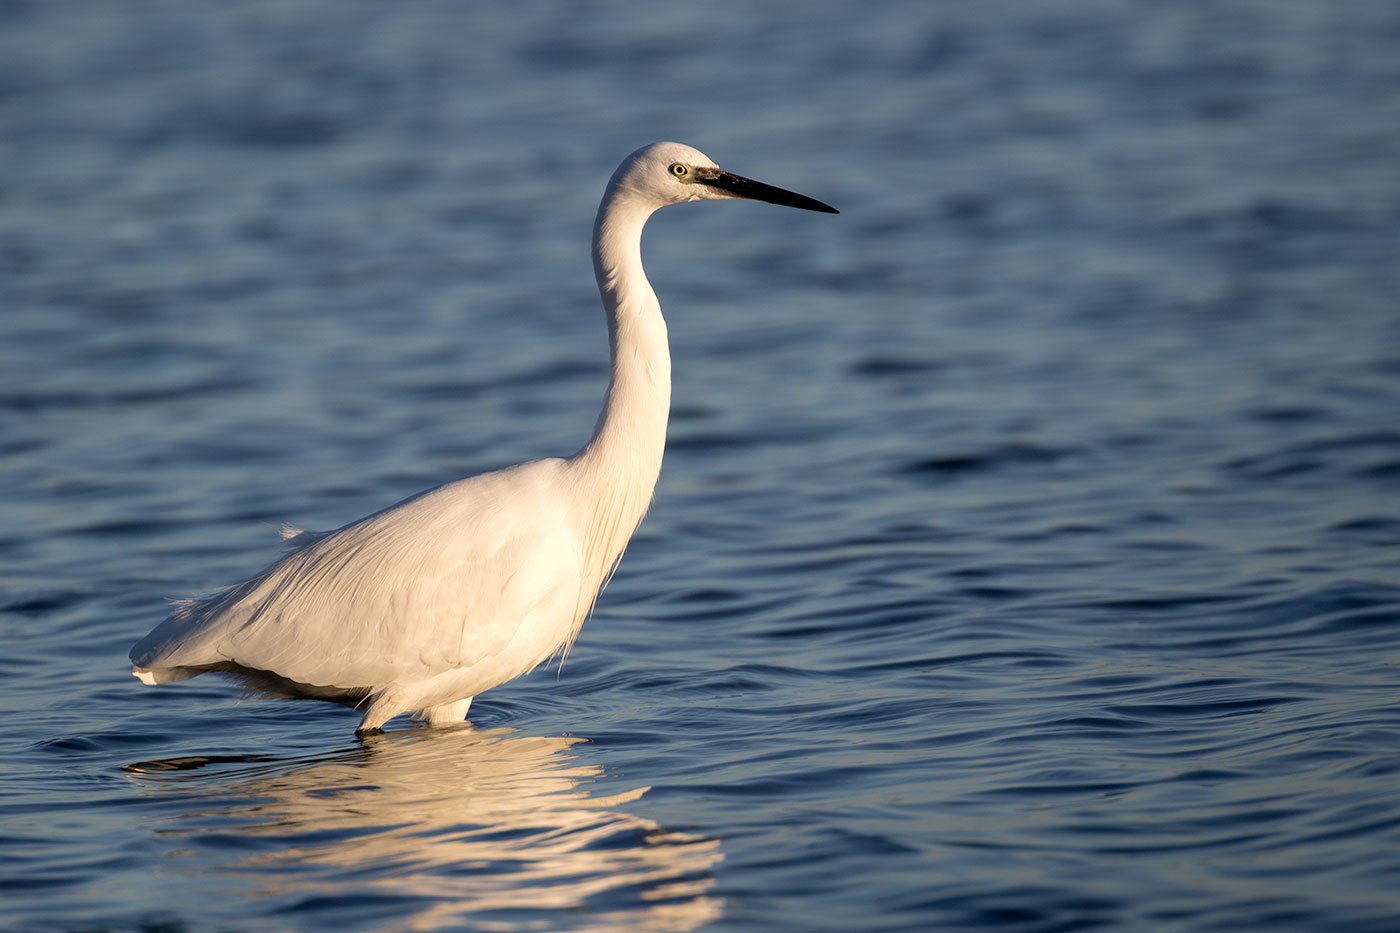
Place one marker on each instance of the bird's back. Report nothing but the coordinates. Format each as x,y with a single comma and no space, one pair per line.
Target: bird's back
474,570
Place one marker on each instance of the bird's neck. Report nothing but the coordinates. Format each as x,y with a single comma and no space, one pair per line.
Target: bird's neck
619,465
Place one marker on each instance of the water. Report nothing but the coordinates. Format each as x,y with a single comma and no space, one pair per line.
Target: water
1025,555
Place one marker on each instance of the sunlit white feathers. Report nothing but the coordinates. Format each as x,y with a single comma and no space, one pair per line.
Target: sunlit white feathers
429,602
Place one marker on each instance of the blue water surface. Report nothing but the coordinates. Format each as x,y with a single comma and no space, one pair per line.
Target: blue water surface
1027,552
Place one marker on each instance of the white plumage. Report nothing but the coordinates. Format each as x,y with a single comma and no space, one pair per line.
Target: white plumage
424,605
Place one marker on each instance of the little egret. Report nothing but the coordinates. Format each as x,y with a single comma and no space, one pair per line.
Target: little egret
424,605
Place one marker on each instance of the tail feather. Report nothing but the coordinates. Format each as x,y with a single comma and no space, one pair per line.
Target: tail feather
153,676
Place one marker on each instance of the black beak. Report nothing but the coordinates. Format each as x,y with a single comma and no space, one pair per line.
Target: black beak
742,187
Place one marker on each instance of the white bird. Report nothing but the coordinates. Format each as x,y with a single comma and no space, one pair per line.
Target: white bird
426,604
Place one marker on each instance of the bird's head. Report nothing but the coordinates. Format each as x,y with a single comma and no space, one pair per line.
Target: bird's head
669,173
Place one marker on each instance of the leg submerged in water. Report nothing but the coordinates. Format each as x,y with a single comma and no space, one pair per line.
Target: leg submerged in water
445,714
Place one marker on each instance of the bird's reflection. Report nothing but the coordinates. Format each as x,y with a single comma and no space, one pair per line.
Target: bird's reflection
453,823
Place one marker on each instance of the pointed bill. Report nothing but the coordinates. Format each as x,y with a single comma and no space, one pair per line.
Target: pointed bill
741,187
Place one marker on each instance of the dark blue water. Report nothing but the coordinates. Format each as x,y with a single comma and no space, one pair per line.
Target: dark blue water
1027,553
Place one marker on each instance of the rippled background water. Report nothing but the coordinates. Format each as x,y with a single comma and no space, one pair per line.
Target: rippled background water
1026,551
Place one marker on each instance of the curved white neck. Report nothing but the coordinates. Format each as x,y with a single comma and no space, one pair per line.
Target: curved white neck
617,469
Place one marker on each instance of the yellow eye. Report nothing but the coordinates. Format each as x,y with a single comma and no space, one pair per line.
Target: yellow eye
679,170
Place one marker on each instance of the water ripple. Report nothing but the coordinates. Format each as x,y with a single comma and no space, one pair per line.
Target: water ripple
1025,555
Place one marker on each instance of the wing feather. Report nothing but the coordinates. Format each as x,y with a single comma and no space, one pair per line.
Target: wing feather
437,582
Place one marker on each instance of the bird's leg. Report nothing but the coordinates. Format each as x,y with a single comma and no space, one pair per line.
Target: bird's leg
455,711
385,707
